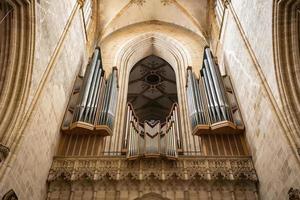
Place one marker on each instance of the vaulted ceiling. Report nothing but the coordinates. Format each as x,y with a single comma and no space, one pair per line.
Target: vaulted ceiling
189,14
152,88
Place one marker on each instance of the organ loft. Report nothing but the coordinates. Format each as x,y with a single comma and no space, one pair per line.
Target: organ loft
149,100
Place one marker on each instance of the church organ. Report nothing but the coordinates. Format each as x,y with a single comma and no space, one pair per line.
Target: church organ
152,144
92,105
152,138
212,104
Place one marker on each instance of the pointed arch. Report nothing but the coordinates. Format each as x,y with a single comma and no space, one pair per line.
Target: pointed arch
16,61
151,196
10,195
286,31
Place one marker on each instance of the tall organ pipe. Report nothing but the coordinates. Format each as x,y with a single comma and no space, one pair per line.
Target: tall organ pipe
212,90
193,100
113,98
227,107
196,99
98,94
212,70
91,93
106,100
87,85
209,96
201,102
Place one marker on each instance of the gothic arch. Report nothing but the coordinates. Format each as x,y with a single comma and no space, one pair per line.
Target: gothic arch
145,45
151,196
16,58
10,195
286,31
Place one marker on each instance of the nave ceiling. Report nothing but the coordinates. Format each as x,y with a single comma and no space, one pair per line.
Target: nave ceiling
189,14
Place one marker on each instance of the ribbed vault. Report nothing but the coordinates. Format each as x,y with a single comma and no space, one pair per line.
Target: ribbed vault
115,14
152,89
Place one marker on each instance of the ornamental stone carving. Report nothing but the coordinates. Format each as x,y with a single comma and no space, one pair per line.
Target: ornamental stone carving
118,168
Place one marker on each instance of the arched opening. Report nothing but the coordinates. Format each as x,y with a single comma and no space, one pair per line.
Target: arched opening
286,31
10,195
151,196
152,120
152,89
16,56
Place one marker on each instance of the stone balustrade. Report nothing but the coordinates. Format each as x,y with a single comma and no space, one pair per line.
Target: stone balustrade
185,168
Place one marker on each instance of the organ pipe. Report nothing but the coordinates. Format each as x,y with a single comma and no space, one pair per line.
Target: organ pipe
208,102
97,99
87,82
152,138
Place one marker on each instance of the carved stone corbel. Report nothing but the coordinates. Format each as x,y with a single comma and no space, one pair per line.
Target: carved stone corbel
4,151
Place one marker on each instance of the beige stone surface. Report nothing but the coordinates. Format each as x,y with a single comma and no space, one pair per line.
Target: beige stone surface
51,19
256,18
27,174
179,41
275,163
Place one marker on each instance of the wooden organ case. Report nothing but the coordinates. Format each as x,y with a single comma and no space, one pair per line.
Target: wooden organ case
214,112
91,110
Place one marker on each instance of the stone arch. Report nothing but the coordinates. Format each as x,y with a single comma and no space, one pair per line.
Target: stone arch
16,58
151,196
286,31
145,45
10,195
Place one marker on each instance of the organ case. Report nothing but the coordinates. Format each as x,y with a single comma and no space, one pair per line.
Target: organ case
212,104
93,101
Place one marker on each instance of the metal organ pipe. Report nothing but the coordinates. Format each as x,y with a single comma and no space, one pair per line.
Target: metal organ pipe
222,87
87,85
88,107
212,69
162,139
212,90
192,100
98,93
209,97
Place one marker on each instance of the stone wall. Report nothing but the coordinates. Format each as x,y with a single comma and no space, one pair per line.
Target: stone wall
276,163
59,54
